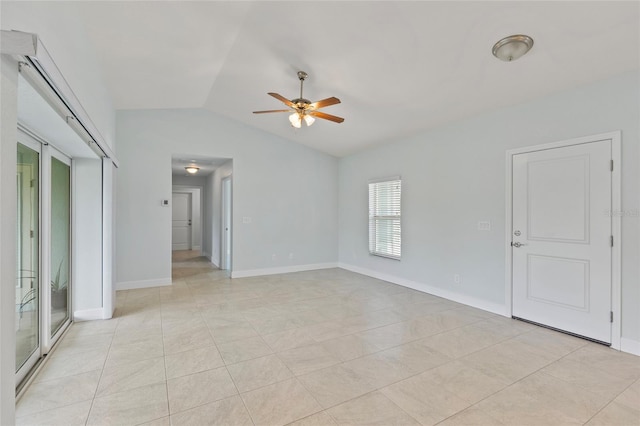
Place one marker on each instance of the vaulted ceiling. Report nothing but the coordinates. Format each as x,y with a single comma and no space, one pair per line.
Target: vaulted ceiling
398,67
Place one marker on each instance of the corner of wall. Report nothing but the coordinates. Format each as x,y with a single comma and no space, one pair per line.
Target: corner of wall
134,285
630,346
8,137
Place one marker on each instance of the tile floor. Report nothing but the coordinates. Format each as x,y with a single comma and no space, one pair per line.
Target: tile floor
321,348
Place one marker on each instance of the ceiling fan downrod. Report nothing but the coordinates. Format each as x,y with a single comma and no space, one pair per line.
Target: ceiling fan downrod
301,75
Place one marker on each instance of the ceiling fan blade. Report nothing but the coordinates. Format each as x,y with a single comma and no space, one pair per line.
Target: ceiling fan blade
325,102
282,99
272,110
329,117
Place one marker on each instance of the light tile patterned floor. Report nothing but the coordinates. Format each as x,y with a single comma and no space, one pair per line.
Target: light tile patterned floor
321,348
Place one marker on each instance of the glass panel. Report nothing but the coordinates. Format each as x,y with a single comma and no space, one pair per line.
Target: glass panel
60,220
27,240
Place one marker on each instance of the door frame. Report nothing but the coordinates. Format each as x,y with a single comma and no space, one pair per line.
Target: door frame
197,232
27,368
46,340
226,207
51,339
616,230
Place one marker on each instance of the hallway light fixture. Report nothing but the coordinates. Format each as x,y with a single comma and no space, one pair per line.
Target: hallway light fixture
513,47
192,170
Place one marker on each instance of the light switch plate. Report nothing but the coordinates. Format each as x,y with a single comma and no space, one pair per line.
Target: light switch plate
246,219
484,226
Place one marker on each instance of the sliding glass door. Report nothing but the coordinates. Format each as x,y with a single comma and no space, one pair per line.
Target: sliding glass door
43,243
60,251
28,259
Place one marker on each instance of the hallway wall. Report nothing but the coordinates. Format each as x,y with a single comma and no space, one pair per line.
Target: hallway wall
285,195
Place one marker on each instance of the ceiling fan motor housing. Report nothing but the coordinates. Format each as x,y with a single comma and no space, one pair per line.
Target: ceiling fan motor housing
301,103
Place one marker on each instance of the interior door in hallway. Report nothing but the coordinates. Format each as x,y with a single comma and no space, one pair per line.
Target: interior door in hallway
181,221
226,224
561,249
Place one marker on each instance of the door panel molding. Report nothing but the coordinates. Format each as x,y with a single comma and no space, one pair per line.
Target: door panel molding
616,205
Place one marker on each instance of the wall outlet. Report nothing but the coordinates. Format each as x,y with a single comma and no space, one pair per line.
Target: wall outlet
457,278
290,256
246,219
274,257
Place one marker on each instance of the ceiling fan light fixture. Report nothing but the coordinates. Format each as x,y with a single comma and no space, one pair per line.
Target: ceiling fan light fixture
295,120
192,170
513,47
309,119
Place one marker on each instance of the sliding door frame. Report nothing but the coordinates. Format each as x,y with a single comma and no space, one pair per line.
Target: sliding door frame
46,339
49,338
26,368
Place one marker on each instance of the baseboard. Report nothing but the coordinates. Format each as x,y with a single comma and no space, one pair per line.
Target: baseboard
630,346
132,285
210,259
282,270
88,315
474,302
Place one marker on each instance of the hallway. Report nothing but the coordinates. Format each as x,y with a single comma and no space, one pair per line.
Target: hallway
191,264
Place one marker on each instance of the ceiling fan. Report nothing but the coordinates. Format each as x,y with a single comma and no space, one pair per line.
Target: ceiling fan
304,109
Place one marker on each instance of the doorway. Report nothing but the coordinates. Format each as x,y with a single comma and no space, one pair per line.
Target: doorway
561,235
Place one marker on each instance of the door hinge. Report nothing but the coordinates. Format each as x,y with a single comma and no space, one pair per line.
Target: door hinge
612,241
611,165
611,316
32,183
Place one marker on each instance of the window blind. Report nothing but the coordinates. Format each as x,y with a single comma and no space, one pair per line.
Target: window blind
385,218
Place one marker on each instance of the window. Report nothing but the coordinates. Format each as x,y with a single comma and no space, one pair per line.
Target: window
384,218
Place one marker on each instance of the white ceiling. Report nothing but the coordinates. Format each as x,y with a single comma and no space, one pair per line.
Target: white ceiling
398,67
207,165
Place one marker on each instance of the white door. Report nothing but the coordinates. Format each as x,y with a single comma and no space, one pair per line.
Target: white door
181,220
561,237
226,224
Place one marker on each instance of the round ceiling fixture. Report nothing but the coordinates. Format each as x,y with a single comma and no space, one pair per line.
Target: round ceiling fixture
513,47
192,169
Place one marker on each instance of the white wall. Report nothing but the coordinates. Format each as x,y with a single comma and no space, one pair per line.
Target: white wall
289,191
87,239
8,138
199,181
62,32
454,176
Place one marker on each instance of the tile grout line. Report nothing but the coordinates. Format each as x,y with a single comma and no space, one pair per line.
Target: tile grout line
522,378
238,394
95,393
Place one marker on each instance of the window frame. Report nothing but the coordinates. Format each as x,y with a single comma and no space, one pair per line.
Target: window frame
378,215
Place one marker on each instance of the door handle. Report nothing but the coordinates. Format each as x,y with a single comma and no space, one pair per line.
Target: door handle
517,244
